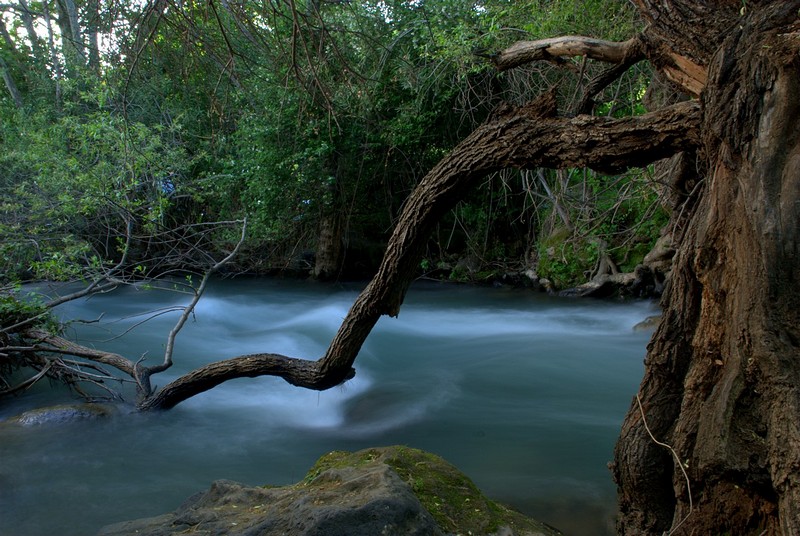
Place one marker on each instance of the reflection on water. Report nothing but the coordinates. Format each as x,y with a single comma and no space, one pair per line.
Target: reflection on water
523,392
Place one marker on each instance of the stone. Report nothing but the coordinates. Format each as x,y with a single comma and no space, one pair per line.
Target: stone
62,414
381,491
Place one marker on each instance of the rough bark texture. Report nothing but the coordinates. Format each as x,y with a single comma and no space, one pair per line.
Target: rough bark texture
523,52
721,379
11,86
330,247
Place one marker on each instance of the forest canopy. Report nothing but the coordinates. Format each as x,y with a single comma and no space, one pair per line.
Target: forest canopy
129,129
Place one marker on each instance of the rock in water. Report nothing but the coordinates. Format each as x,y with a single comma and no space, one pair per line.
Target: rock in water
381,491
62,414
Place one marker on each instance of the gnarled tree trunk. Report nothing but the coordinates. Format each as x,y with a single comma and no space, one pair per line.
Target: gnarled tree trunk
722,379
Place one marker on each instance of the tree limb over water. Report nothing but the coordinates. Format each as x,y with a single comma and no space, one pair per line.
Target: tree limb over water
530,136
717,385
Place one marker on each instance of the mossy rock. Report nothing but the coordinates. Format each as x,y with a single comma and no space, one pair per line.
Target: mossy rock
452,499
392,490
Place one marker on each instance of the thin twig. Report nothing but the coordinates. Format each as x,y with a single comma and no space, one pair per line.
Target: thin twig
677,459
29,382
187,312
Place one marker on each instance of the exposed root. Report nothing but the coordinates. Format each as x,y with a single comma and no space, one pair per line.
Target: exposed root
677,460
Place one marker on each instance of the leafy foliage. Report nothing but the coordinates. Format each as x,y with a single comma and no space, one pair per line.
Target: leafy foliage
296,114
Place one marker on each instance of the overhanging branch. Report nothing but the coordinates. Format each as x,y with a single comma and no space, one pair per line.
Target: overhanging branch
527,137
681,70
523,52
523,139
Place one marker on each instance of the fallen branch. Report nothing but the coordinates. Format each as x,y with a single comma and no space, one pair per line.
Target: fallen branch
29,382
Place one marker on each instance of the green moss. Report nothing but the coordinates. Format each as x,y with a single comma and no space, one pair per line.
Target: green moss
566,260
451,498
337,459
448,495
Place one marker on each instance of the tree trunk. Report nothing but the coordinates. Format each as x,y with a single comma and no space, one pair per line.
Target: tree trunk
72,42
92,34
721,381
711,444
8,79
26,15
330,246
55,61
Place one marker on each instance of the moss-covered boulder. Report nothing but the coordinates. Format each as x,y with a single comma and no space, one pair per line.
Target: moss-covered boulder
391,490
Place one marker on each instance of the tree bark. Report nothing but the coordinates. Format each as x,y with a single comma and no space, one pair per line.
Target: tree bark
26,15
711,443
55,61
720,384
92,34
330,246
5,68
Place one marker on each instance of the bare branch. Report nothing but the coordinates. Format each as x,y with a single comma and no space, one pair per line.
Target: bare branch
523,52
683,71
52,343
197,295
29,382
22,323
106,282
634,54
143,373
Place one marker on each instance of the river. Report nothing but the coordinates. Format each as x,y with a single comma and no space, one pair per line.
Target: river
523,392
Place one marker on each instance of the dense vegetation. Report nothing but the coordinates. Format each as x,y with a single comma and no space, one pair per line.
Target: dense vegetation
137,137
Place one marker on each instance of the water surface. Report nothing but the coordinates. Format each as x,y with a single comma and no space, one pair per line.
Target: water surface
523,392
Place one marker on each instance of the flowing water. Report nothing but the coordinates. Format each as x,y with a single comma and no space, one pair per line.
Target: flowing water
523,392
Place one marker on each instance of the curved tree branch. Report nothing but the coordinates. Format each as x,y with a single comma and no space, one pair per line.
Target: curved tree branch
687,73
634,54
298,372
526,137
